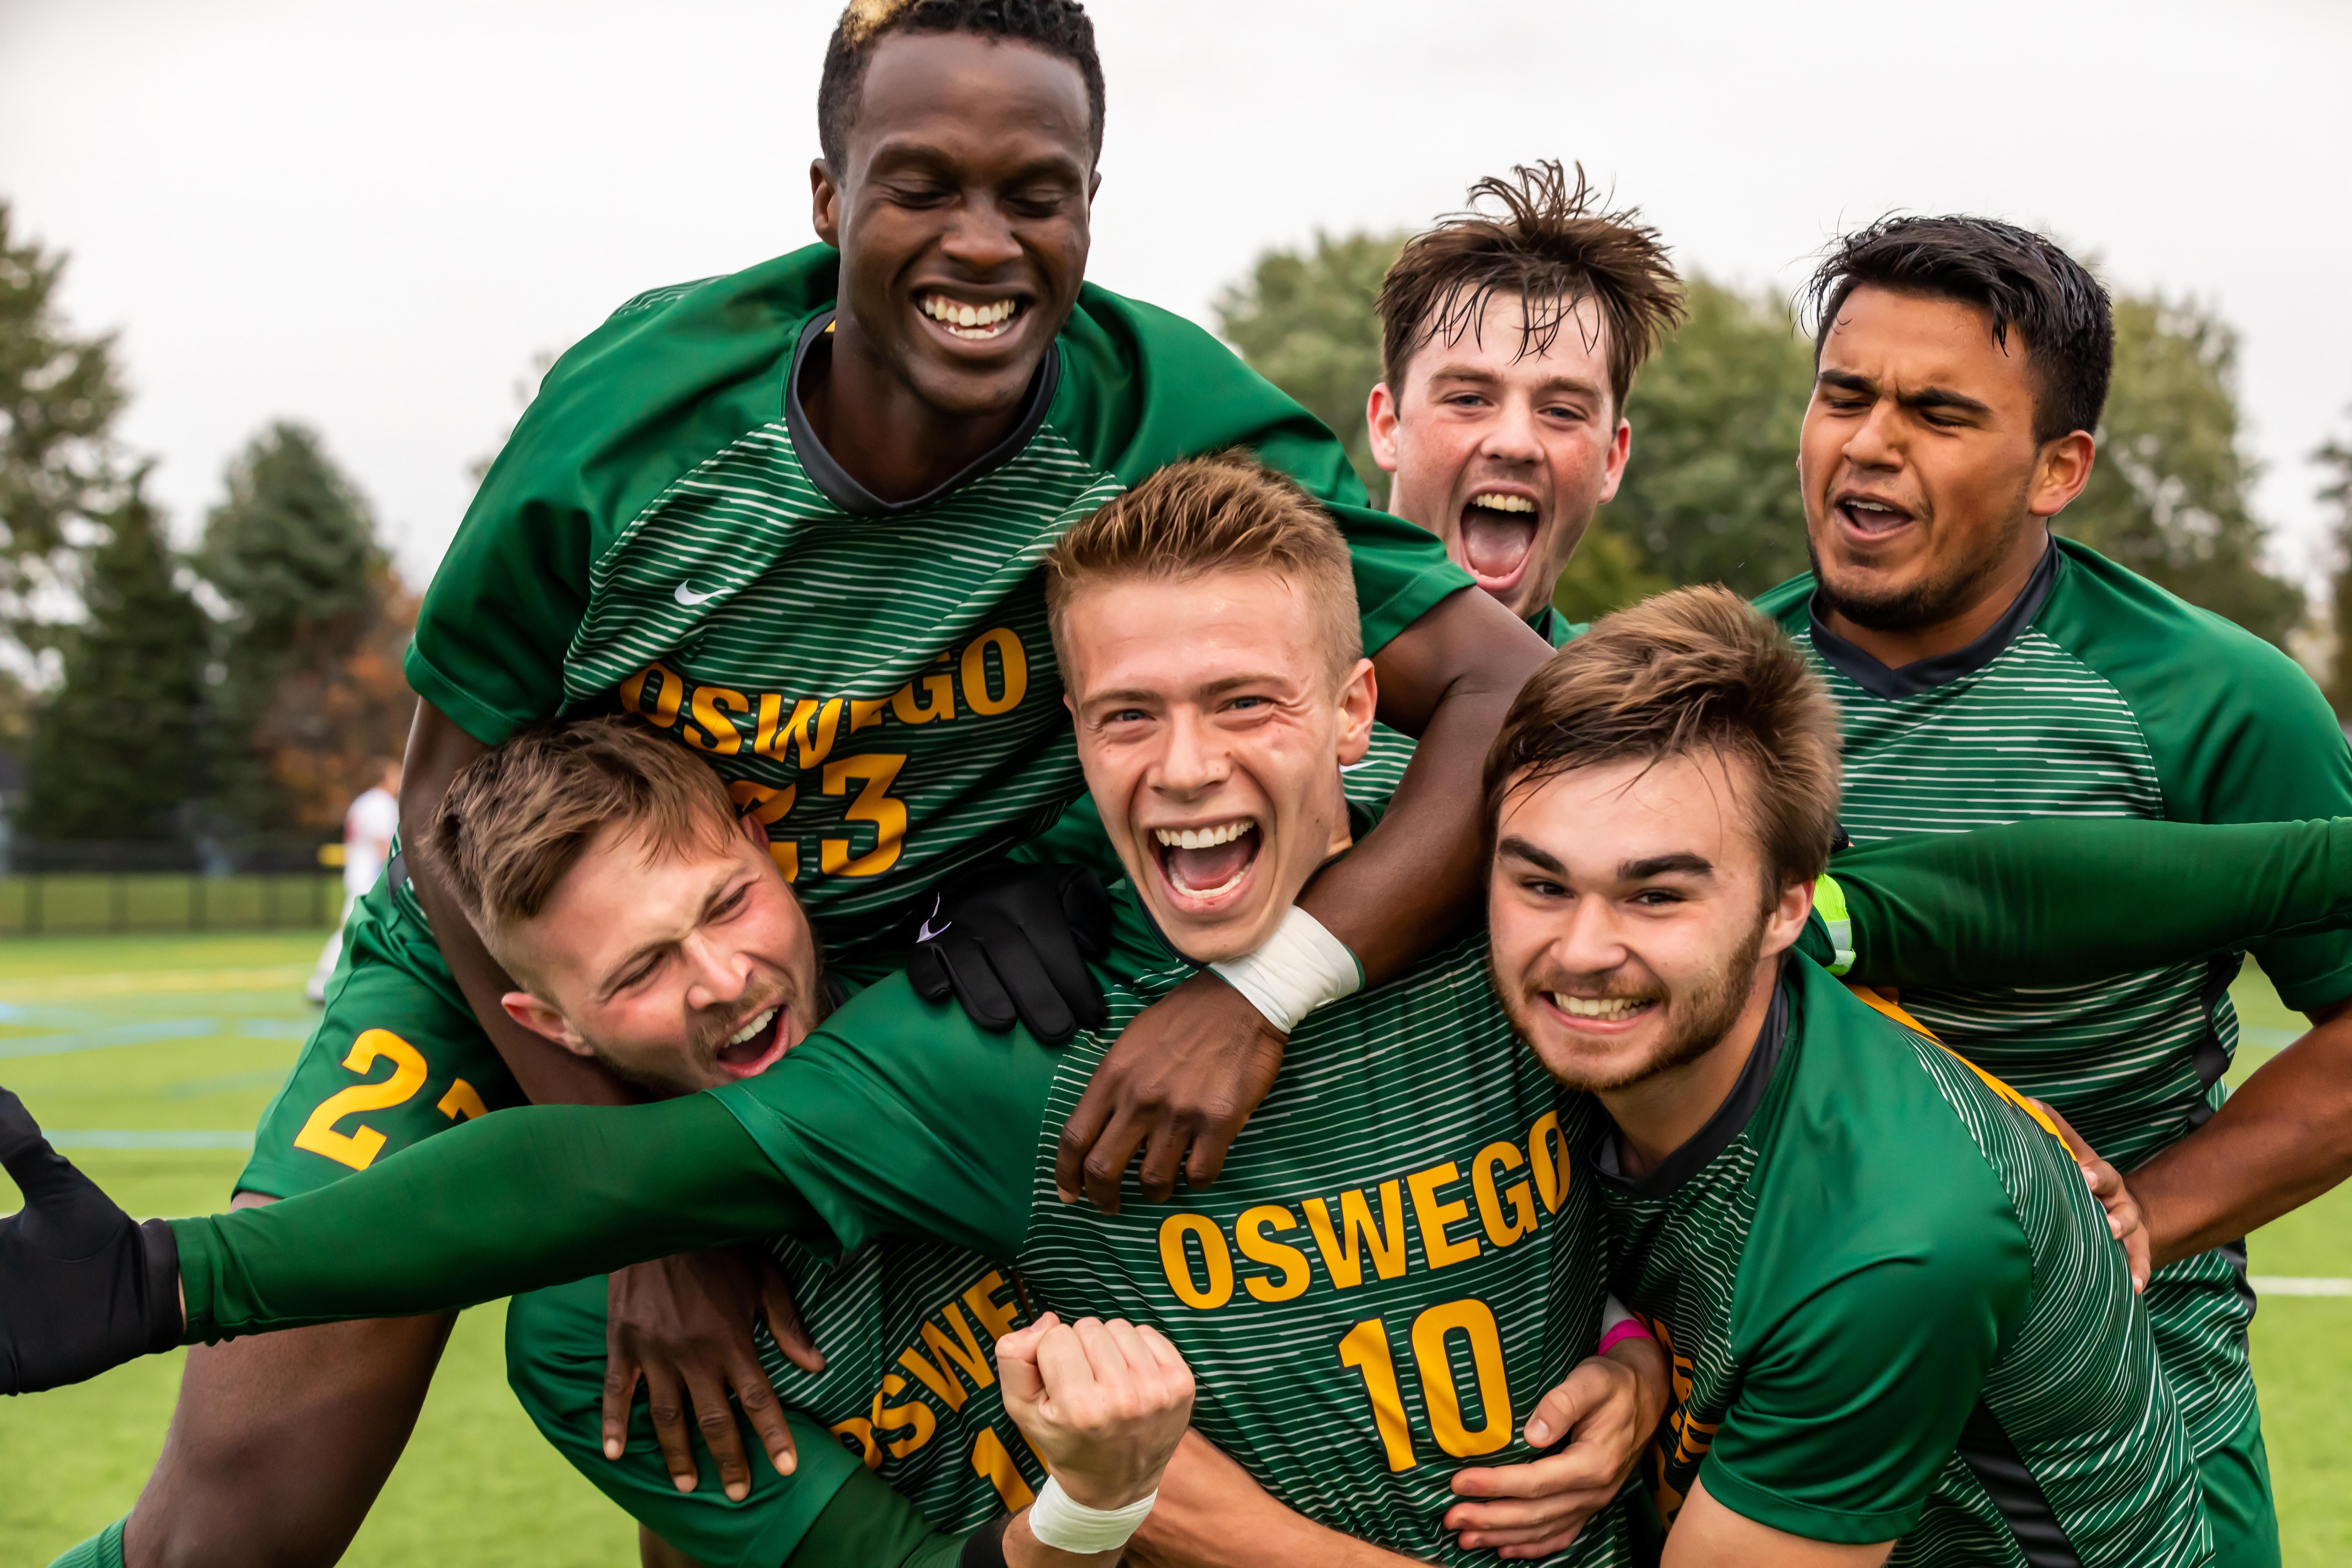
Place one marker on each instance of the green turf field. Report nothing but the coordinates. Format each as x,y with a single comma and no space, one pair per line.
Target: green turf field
158,1036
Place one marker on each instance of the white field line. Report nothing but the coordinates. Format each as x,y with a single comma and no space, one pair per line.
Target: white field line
2288,1285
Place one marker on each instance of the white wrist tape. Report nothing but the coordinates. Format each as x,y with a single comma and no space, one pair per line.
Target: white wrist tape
1300,968
1066,1525
1612,1312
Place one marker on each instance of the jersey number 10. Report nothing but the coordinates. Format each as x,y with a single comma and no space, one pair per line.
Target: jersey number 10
1365,1348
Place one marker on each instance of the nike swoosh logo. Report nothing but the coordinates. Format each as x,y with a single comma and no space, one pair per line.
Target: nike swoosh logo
927,932
687,597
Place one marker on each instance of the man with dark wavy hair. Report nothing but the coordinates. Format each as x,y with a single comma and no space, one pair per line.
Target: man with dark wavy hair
1989,671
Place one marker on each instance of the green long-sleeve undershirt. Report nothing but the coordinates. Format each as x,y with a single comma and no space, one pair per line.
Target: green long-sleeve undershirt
2060,899
540,1195
529,1197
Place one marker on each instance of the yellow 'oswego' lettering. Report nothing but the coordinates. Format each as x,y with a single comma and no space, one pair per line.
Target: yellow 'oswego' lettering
989,677
1365,1233
1215,1258
900,1419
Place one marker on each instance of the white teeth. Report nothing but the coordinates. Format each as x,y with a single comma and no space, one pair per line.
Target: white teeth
1869,506
968,320
1503,503
753,1028
1611,1008
1201,837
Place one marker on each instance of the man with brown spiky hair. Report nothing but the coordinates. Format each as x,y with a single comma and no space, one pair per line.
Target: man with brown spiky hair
1509,343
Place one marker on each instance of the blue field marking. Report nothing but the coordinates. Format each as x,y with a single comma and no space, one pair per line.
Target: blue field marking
271,1028
111,1035
146,1030
146,1137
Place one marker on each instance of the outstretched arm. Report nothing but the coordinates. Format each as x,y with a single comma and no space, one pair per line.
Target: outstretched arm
513,1202
2062,898
506,1203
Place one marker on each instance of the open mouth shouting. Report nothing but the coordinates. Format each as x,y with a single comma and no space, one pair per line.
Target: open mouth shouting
1206,867
1498,537
1597,1014
1868,518
970,320
755,1045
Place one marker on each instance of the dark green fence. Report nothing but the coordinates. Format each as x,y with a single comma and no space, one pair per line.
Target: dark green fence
273,882
84,901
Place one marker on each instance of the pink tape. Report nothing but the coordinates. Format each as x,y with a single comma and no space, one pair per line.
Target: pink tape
1630,1329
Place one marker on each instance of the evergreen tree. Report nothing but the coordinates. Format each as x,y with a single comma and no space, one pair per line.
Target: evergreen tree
115,752
293,551
59,393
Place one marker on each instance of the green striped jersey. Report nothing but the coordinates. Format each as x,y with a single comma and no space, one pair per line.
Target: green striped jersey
874,680
1894,1310
910,1333
2098,694
1372,780
1397,1262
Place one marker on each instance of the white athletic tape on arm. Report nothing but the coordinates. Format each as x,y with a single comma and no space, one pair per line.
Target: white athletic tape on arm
1300,968
1066,1525
1612,1312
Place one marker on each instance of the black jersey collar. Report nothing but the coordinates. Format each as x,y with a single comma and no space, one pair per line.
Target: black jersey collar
1926,674
831,478
1729,1120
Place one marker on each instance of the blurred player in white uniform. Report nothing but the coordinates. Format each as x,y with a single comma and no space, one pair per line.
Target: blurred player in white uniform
368,829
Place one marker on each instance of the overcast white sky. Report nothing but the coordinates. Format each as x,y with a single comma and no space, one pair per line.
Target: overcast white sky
371,215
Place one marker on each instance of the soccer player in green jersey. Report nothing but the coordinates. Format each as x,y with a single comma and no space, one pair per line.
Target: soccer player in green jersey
1400,1207
920,1136
1991,671
1510,336
1896,1317
794,517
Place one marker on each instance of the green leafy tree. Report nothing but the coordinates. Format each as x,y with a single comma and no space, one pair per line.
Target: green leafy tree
1710,492
2169,496
294,554
2335,458
59,393
115,752
1305,320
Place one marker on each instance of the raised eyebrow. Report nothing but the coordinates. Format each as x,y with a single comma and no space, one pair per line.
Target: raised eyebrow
1682,863
1575,384
1519,849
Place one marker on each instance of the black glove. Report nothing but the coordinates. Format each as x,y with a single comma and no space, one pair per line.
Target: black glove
1012,942
83,1288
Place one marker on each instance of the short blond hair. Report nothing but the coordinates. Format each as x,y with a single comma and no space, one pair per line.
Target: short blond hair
1691,670
519,817
1226,512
